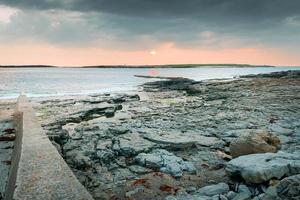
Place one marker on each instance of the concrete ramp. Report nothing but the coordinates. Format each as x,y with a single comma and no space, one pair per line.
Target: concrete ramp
38,171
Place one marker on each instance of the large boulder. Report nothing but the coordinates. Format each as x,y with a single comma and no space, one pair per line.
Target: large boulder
256,141
258,168
164,161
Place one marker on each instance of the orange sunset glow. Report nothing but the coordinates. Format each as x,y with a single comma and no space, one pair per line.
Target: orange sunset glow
165,54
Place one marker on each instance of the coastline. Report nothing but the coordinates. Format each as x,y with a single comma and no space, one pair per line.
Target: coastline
106,138
143,66
173,139
43,86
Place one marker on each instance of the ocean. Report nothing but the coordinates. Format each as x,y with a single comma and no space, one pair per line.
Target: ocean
44,82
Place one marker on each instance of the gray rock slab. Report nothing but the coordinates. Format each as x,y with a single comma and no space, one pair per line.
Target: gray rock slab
182,140
164,161
131,144
211,190
258,168
242,196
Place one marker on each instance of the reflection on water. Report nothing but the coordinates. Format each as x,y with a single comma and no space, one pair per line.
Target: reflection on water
37,82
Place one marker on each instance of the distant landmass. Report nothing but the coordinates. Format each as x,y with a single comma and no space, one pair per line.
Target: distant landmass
177,66
25,66
141,66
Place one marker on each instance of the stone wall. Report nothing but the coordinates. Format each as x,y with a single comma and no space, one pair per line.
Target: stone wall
38,171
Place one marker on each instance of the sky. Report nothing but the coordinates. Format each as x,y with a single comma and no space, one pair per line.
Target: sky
146,32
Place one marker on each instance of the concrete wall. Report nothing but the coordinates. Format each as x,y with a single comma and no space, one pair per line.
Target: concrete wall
38,171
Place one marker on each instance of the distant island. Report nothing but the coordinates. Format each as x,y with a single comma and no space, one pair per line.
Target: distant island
140,66
26,66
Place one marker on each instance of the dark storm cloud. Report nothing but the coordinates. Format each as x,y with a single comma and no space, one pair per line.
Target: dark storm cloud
187,23
218,9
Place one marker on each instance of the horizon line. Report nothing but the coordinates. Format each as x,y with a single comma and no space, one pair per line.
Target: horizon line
147,65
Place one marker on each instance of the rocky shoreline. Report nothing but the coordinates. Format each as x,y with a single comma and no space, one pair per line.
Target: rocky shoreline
7,137
182,139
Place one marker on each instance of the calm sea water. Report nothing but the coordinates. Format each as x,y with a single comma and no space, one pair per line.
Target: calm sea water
41,82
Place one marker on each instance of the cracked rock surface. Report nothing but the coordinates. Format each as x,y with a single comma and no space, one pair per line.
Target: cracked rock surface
173,137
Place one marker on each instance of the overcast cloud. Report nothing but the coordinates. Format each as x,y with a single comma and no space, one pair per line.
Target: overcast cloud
141,24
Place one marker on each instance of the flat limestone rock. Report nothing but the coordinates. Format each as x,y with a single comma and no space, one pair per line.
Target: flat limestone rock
164,161
182,140
212,190
131,144
258,168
